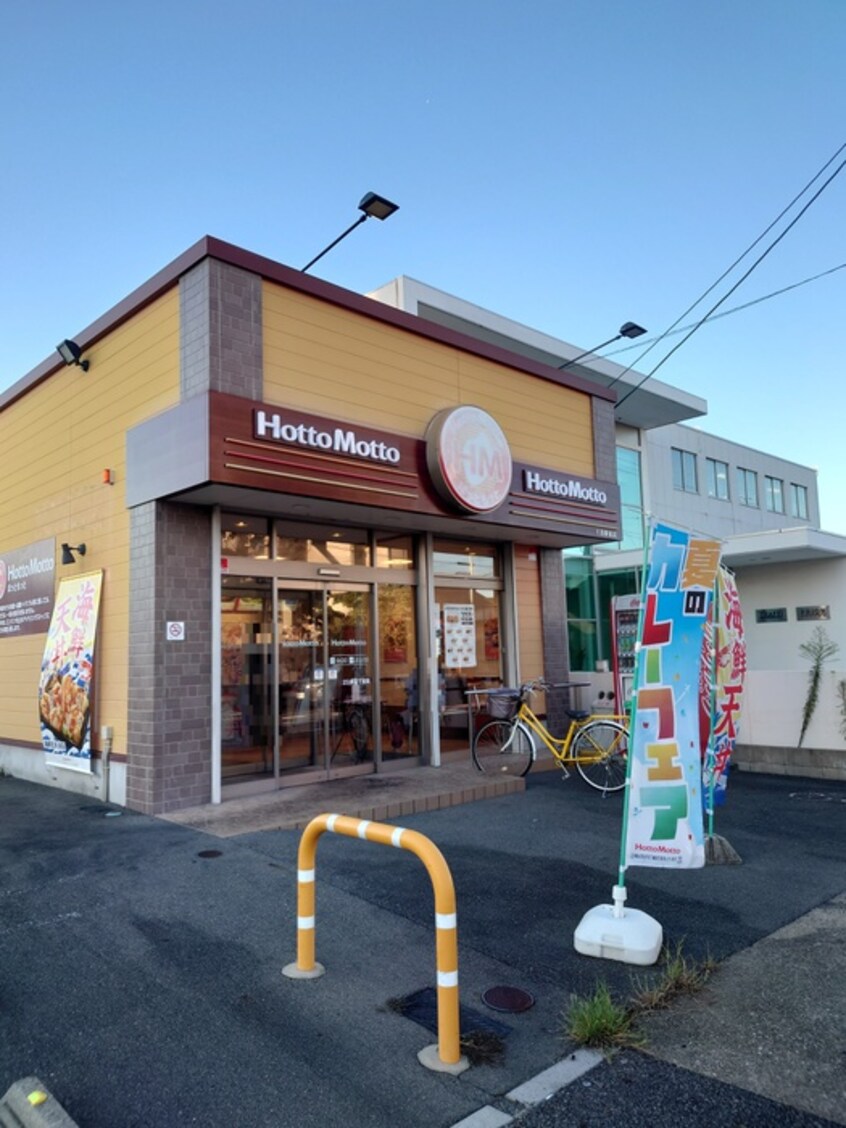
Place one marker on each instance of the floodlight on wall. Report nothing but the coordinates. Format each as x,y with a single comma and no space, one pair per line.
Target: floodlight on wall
68,551
70,352
627,329
372,207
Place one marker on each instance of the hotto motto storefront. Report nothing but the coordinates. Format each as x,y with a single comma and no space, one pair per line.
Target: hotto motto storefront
273,531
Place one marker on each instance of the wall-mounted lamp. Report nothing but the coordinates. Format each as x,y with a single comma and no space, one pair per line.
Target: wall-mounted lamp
68,551
372,207
627,329
70,352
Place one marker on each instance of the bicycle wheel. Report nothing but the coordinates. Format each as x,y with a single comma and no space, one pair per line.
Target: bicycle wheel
496,752
600,749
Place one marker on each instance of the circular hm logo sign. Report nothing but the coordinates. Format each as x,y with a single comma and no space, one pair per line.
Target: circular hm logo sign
469,459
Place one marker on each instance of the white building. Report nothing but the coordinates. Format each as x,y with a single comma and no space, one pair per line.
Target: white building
791,575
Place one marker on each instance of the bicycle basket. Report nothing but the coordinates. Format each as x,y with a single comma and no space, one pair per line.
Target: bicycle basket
502,703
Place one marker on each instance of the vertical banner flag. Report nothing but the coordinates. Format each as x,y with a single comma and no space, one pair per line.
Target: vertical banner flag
664,809
730,673
67,670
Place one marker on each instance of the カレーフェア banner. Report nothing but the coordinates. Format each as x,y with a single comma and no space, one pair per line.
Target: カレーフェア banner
664,810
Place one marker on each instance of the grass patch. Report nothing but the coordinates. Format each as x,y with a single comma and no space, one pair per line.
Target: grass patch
599,1021
680,975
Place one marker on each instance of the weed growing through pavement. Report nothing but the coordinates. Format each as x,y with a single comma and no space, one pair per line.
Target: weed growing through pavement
600,1022
603,1023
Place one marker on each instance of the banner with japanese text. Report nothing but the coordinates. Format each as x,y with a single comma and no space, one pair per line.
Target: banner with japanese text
664,824
67,671
730,672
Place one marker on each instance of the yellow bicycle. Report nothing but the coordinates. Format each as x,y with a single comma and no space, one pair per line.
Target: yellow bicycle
596,744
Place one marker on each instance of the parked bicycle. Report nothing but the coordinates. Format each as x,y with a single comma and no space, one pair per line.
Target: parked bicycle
596,744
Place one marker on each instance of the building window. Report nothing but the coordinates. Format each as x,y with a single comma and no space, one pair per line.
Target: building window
684,471
774,494
747,487
799,501
718,478
631,498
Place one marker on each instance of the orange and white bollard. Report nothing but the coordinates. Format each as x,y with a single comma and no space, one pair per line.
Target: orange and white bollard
446,1055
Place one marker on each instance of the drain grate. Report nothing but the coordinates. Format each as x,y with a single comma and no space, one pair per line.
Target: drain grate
210,854
422,1007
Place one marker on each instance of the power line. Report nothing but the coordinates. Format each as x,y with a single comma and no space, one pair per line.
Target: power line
726,312
729,269
740,280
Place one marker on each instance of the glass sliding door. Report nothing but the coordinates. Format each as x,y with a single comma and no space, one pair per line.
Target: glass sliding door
246,677
325,677
302,680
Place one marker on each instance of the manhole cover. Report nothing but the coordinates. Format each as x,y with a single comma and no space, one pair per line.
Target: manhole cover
510,999
209,854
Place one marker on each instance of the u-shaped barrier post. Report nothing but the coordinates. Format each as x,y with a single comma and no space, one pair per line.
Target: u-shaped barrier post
446,1055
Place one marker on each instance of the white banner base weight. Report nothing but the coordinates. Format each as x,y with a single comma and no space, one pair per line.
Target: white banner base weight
612,932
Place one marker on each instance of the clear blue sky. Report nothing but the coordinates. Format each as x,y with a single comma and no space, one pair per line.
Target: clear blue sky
568,163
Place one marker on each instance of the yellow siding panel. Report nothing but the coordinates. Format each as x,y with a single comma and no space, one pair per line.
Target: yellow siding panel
56,442
340,364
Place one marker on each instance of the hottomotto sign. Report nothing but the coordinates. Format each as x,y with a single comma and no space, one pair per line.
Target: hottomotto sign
571,488
26,589
335,440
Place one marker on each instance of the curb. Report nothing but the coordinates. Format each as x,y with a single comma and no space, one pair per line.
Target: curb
534,1091
29,1104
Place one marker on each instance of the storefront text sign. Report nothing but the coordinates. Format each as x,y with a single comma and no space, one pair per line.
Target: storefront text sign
26,589
469,459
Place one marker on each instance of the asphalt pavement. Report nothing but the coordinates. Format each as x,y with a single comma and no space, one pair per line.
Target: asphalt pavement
141,972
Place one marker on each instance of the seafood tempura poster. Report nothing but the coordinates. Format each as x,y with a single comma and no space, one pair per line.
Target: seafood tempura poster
67,671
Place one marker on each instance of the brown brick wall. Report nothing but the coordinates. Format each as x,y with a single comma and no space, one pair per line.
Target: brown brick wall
221,331
556,661
169,760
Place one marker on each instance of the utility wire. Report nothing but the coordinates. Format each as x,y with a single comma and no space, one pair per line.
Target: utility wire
726,312
740,281
729,269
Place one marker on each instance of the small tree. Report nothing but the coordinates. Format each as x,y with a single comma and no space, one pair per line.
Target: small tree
818,650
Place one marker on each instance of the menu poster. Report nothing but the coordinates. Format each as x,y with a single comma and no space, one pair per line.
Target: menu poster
26,588
459,635
67,671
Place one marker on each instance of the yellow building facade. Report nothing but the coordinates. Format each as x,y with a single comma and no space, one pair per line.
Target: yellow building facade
317,525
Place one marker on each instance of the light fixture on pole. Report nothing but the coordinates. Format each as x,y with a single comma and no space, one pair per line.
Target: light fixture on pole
372,207
628,329
68,551
70,352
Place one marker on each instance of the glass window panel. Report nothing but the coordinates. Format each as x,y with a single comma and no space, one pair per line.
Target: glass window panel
394,552
717,479
313,544
460,558
774,494
631,498
747,487
578,580
581,638
399,687
684,471
246,676
799,501
241,535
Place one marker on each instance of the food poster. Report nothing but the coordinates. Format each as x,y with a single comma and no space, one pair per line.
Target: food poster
67,671
459,635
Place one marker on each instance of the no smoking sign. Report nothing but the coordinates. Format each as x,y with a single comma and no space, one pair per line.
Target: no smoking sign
176,632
